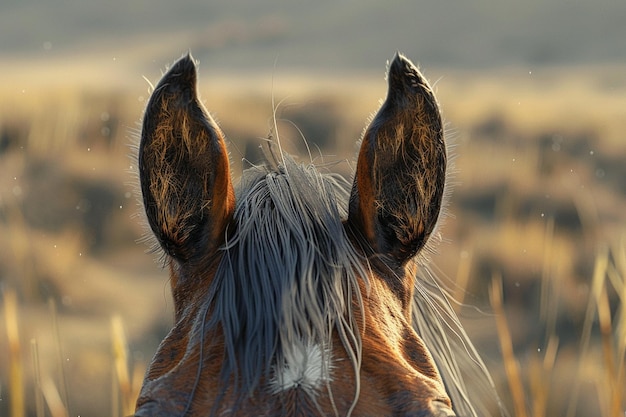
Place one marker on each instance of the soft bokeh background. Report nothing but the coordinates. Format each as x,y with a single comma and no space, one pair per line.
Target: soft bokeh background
534,94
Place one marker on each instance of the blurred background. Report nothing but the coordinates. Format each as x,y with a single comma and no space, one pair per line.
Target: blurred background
534,95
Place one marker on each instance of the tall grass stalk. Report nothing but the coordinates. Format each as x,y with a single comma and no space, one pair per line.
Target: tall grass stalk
596,288
34,349
53,399
120,357
511,366
617,276
620,331
613,350
549,283
59,351
541,372
115,392
604,319
16,377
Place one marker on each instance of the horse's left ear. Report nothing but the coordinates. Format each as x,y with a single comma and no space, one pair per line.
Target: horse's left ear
184,168
398,187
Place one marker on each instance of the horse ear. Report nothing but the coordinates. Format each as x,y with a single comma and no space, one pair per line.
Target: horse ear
184,168
398,187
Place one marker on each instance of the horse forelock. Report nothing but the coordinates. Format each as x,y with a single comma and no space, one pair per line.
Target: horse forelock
289,274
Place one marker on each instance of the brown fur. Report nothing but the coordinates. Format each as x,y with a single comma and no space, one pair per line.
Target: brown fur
394,206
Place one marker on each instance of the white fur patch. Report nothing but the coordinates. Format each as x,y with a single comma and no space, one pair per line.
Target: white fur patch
305,366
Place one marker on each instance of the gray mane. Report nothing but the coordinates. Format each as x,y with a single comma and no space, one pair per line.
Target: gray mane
289,272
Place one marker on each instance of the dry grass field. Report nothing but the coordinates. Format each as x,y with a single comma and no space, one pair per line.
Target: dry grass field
535,239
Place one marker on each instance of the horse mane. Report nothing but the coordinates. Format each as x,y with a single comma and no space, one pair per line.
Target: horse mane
272,303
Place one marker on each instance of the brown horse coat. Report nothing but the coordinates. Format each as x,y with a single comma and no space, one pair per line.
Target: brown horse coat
295,294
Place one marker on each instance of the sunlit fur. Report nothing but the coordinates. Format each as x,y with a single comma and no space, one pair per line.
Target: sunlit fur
299,261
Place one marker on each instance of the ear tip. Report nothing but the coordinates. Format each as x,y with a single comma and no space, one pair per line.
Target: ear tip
400,57
401,63
182,73
405,79
187,61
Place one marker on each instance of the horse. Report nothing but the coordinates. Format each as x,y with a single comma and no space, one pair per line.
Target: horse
298,292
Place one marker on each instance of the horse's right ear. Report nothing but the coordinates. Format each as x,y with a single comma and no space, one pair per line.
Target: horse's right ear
184,168
400,175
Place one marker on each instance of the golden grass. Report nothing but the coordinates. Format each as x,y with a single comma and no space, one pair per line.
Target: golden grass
610,377
39,400
540,377
56,406
126,385
564,99
16,376
511,364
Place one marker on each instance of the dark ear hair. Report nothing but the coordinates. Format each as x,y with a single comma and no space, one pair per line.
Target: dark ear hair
400,176
184,168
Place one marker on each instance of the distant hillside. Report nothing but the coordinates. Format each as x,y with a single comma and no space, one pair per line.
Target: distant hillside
324,35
